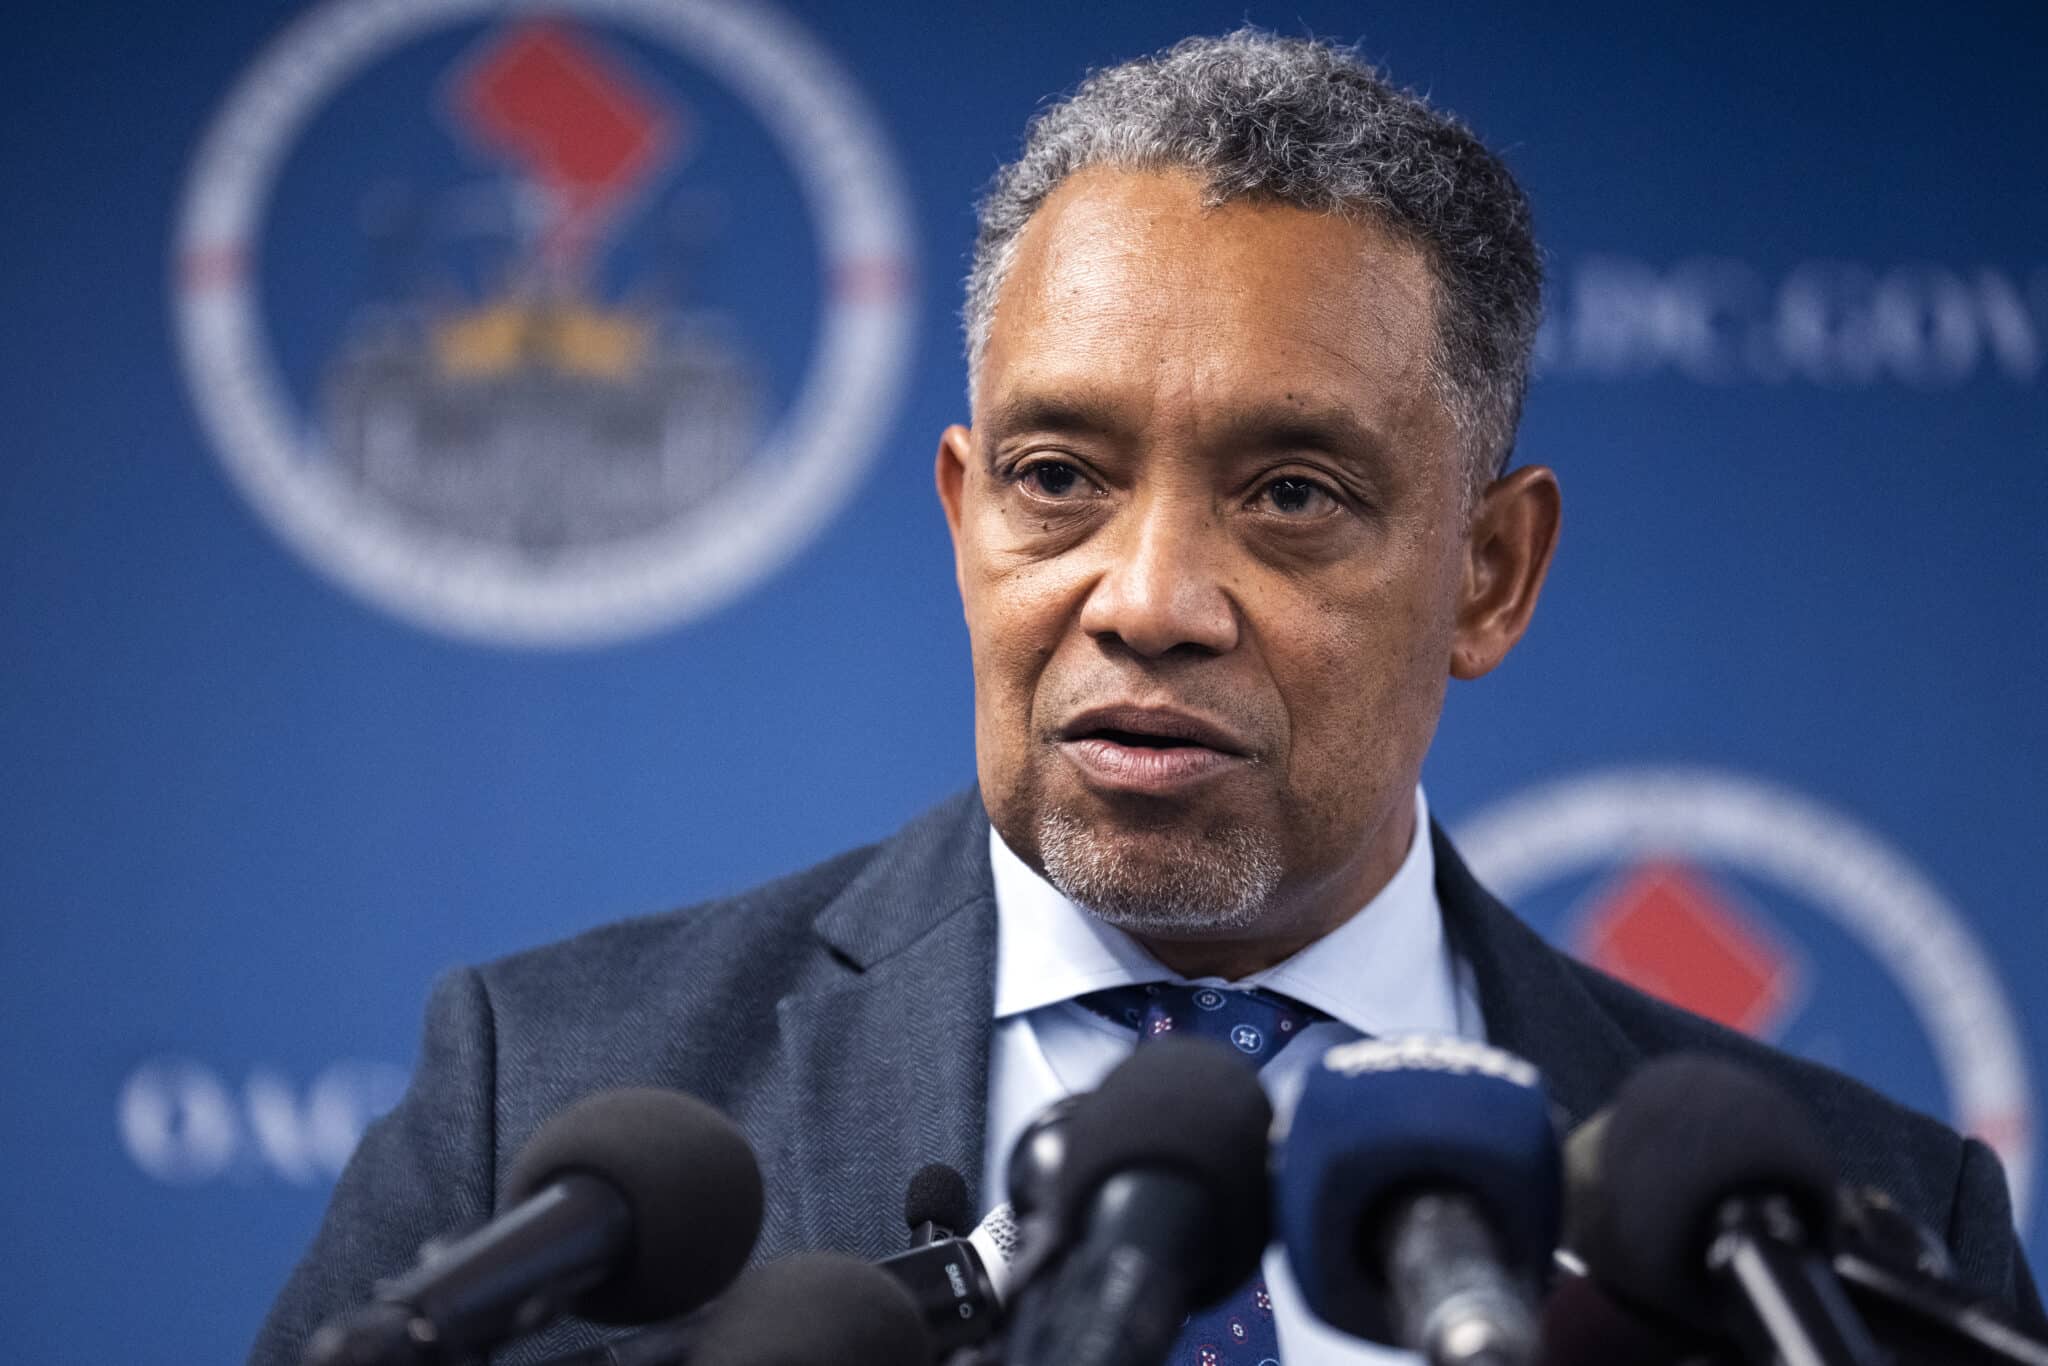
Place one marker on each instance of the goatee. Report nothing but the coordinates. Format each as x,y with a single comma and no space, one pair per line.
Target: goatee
1192,882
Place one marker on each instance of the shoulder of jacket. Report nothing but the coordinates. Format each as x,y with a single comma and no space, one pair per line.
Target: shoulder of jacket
768,921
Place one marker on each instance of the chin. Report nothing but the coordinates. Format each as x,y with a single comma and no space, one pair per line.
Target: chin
1166,881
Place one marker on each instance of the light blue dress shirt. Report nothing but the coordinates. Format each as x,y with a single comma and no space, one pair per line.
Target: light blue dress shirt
1386,970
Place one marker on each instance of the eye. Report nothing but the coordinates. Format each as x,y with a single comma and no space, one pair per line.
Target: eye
1051,479
1294,496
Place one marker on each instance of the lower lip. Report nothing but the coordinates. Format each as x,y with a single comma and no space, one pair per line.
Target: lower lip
1133,768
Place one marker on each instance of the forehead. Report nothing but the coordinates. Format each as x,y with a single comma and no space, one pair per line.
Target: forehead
1126,281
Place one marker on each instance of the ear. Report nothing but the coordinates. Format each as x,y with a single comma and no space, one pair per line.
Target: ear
949,472
1507,552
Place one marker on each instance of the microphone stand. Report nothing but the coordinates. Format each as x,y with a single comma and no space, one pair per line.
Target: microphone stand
1791,1308
1925,1319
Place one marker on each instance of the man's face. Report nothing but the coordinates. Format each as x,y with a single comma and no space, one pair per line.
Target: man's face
1209,542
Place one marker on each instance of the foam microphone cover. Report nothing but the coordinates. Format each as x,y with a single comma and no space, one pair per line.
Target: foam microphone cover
814,1309
1685,1133
689,1179
1383,1118
1192,1107
938,1196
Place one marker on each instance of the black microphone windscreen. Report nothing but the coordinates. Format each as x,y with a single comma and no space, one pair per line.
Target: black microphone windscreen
688,1177
1684,1134
814,1309
1191,1107
938,1195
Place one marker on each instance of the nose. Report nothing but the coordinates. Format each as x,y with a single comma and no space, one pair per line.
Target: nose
1164,586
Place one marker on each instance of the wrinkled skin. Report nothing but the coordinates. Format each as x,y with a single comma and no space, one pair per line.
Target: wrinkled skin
1209,476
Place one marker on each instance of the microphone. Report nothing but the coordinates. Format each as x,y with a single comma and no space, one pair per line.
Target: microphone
1037,1158
813,1309
1870,1226
1159,1206
1032,1174
630,1205
957,1287
959,1284
1901,1278
1705,1193
949,1277
1898,1275
1418,1194
936,1205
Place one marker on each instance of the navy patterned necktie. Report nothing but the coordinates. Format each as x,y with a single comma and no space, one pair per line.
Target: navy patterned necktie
1237,1330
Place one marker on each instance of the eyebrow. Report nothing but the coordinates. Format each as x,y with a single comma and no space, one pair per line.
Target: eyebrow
1275,425
1281,426
1072,410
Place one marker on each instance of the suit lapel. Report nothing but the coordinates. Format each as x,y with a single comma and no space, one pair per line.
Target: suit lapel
882,1060
1535,1004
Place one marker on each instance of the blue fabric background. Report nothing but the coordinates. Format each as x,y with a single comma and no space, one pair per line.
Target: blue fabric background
248,815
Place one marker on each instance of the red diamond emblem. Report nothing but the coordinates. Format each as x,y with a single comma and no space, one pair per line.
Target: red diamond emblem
569,117
1665,928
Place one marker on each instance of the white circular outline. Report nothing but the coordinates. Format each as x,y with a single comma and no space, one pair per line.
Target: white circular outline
794,484
1887,906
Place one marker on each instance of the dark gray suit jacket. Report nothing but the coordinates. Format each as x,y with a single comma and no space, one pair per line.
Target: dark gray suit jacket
841,1016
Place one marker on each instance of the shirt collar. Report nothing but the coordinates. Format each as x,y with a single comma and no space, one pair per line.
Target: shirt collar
1385,970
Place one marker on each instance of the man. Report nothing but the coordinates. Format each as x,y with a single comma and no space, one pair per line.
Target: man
1248,334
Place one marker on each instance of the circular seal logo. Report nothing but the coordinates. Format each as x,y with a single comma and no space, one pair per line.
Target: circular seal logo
544,327
1772,914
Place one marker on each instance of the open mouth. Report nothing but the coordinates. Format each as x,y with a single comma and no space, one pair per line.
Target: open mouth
1160,728
1142,749
1137,739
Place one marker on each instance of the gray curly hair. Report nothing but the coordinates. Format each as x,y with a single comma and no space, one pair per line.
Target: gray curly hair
1305,122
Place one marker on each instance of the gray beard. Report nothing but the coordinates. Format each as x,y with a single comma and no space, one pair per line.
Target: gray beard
1215,881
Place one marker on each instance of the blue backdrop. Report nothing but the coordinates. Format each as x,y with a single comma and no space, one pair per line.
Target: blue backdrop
312,687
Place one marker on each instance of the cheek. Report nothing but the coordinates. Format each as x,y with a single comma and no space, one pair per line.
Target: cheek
1015,615
1363,681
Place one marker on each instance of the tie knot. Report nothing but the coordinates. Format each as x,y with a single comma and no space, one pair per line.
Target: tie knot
1255,1022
